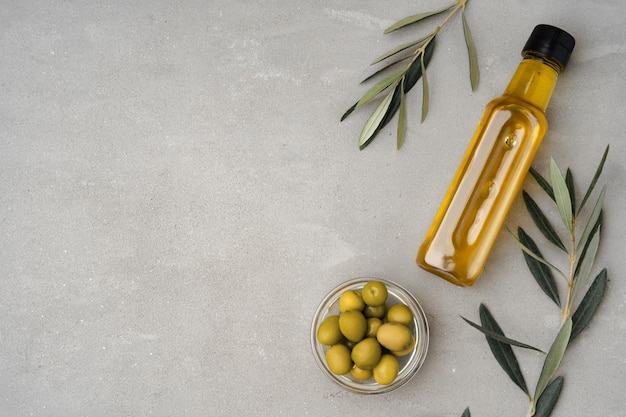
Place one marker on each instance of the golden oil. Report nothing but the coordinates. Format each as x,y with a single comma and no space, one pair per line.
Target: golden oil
495,164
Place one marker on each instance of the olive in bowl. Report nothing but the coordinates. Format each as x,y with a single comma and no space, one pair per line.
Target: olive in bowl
369,335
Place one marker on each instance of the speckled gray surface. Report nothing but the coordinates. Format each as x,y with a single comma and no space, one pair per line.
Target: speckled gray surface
177,195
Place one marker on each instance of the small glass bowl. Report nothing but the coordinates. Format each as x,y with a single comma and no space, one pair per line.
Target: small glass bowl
409,364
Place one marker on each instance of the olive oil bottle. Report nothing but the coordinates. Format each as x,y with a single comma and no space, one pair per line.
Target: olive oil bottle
495,164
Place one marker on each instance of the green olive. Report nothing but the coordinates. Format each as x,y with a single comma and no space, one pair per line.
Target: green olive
373,324
361,374
353,325
374,293
366,338
328,333
393,336
406,350
338,359
400,313
375,311
387,369
351,300
366,353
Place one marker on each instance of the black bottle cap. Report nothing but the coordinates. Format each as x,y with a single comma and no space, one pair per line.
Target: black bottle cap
552,42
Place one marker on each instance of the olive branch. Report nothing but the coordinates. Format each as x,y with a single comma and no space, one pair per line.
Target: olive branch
412,58
576,313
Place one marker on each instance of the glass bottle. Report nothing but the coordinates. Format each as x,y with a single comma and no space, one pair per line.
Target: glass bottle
495,164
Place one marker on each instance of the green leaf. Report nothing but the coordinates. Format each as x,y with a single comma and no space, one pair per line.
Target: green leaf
466,413
588,254
374,121
542,182
541,272
542,222
585,263
592,222
553,360
528,251
589,304
569,181
561,195
471,51
424,90
500,338
595,178
379,87
401,117
400,48
415,18
393,108
550,396
348,112
391,111
413,74
502,351
389,65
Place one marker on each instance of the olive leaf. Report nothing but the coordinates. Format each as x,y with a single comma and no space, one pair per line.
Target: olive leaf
401,117
348,112
375,120
379,87
545,185
594,219
502,351
583,267
571,188
471,52
550,396
561,195
589,304
424,90
596,176
413,74
400,48
500,338
374,74
466,413
553,360
542,222
415,18
541,272
418,52
532,254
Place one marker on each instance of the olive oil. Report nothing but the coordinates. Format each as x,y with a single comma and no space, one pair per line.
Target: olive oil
495,164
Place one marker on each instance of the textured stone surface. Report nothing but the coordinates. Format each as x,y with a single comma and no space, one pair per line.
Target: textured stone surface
177,195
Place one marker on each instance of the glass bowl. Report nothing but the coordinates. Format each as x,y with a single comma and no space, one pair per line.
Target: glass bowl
409,364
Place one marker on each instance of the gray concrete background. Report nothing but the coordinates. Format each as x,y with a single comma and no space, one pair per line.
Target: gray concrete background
177,195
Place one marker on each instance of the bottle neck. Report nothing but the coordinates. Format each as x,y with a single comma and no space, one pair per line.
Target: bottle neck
534,81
